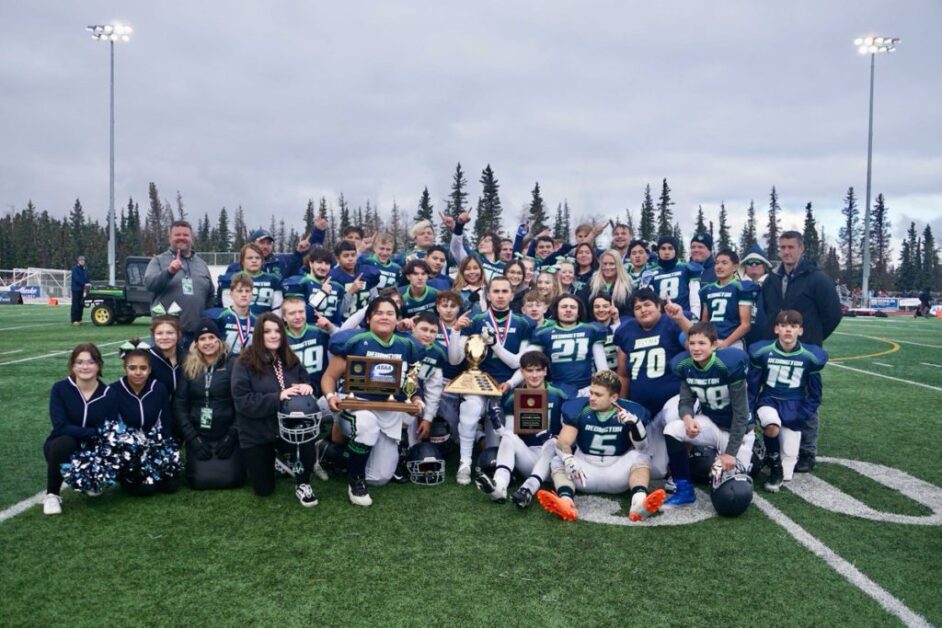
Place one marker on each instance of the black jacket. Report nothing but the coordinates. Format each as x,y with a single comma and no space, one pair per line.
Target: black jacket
191,398
814,295
256,398
768,304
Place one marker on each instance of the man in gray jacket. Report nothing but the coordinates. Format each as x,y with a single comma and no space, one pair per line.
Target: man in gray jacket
179,279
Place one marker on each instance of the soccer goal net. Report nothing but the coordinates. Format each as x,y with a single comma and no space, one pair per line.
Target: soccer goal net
37,285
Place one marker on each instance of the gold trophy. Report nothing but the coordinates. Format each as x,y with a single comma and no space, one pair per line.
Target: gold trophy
474,381
379,376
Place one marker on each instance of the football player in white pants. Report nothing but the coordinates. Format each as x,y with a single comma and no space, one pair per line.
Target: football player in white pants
610,458
789,442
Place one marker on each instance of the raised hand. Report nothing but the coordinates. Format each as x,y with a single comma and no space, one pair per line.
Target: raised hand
176,264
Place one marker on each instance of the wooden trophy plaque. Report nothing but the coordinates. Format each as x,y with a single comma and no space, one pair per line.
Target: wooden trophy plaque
367,375
474,381
531,411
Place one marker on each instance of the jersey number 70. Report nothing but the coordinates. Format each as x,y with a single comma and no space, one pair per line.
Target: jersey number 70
654,360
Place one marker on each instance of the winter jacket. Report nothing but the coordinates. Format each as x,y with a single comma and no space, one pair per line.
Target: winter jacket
191,398
72,415
80,278
256,399
813,294
167,289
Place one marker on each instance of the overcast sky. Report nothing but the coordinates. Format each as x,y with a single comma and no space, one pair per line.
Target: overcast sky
267,104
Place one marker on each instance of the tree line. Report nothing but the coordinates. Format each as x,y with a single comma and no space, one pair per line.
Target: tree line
30,237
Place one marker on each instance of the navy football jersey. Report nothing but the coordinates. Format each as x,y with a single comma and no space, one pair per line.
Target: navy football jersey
570,352
388,272
790,381
443,338
611,350
722,304
600,433
319,302
414,305
236,330
648,355
369,344
310,345
554,402
368,275
513,333
432,357
710,383
674,282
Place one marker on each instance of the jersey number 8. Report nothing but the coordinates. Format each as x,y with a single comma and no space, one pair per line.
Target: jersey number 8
715,397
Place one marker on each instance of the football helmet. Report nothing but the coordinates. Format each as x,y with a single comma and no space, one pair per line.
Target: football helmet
731,491
701,461
425,464
487,462
440,435
299,419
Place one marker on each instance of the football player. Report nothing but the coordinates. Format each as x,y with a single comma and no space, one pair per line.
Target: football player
359,282
674,279
605,316
418,296
309,342
727,302
437,260
323,295
266,287
785,385
283,265
637,264
529,455
381,259
237,321
433,360
488,247
610,457
534,308
448,307
717,379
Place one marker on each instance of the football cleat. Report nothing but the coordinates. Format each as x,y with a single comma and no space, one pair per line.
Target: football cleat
52,504
357,492
484,483
647,506
522,497
562,507
683,496
776,477
305,495
463,476
495,417
321,460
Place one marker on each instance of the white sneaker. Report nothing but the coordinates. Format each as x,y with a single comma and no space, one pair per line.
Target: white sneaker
305,495
357,492
463,477
52,504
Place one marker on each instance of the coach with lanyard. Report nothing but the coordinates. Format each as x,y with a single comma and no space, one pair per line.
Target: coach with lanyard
180,280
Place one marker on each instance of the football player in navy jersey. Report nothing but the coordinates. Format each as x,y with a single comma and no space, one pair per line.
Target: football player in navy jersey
309,342
433,359
266,286
674,279
510,334
528,454
237,322
437,260
605,317
381,259
448,308
727,302
283,265
359,283
610,436
586,264
488,246
637,264
785,385
418,296
717,379
575,347
534,307
323,295
372,451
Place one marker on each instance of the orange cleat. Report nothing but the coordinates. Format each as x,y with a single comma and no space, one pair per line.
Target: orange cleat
562,507
651,504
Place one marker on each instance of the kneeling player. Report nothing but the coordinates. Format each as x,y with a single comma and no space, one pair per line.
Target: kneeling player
717,379
610,459
785,381
529,455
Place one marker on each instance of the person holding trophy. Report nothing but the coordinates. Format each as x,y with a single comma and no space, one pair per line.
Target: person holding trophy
378,368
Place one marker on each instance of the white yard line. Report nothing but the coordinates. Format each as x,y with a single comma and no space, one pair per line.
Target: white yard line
54,353
938,366
895,379
11,352
889,366
28,326
850,573
26,504
902,342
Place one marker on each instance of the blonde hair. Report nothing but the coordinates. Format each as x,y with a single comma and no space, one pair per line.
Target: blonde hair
194,366
621,287
419,226
555,288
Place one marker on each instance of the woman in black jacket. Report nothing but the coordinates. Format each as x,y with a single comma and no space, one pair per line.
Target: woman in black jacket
267,373
205,414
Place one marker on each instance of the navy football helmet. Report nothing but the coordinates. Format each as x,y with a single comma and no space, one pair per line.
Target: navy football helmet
425,464
440,435
487,462
701,461
731,492
299,419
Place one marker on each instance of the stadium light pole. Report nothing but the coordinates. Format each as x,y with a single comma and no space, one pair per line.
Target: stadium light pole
111,33
870,45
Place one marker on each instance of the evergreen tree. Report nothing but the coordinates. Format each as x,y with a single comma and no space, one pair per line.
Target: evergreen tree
726,241
181,213
712,234
204,239
395,227
537,211
273,230
813,246
455,203
930,260
368,222
880,243
630,221
558,223
774,227
281,238
489,205
359,217
567,226
168,218
426,211
77,229
906,273
309,216
848,236
344,214
648,232
681,248
330,237
701,226
239,232
748,237
223,241
832,265
293,239
665,214
132,230
154,224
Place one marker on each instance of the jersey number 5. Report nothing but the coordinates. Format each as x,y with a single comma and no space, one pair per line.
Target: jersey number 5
598,446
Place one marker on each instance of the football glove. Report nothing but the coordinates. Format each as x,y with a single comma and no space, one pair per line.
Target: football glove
627,418
573,468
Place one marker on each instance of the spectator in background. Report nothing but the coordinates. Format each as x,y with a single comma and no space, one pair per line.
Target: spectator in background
180,281
80,283
701,252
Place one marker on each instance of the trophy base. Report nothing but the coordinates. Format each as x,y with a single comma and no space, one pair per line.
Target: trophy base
474,382
353,405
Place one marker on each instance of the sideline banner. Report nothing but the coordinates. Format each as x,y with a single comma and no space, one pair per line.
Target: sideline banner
884,303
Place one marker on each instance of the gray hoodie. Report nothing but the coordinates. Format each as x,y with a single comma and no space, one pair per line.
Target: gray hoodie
168,289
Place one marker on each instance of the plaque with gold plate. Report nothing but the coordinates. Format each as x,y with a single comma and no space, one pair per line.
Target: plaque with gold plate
474,381
531,411
369,375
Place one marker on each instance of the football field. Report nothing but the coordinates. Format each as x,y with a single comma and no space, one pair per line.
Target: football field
859,542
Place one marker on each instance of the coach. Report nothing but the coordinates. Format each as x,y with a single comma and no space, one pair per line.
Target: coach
80,283
179,279
814,295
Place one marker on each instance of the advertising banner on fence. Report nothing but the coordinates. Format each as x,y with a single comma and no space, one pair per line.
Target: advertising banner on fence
884,303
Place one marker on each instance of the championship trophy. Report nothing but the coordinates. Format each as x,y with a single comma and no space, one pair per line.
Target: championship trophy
531,411
367,375
474,381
